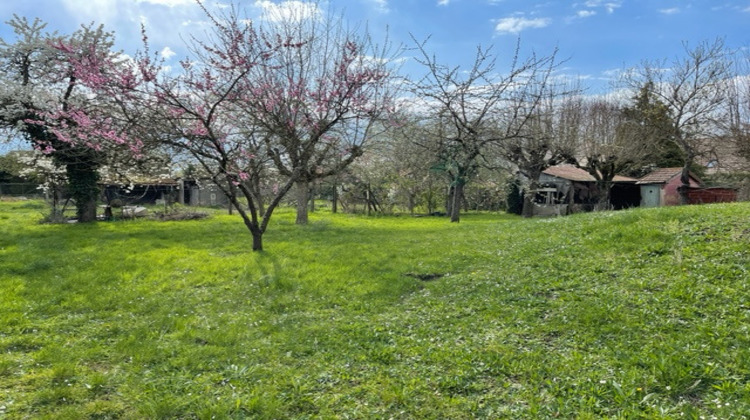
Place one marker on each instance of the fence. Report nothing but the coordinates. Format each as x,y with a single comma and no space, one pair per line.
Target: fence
711,195
17,189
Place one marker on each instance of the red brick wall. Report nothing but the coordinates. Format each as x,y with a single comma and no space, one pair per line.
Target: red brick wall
711,195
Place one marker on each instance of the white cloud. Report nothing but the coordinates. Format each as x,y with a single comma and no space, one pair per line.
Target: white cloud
290,9
381,5
100,11
443,2
515,25
167,53
670,11
585,13
609,6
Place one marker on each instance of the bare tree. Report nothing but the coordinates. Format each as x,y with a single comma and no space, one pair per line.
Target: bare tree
608,143
413,178
695,88
738,124
469,111
547,137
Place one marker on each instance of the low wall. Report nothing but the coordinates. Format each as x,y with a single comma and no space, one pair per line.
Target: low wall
711,195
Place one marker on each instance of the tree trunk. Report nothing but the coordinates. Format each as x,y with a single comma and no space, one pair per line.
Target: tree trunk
257,241
458,192
367,200
303,195
449,200
530,194
685,180
312,198
528,206
335,201
605,194
84,189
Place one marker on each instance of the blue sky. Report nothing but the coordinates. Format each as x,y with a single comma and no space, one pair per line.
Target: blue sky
598,37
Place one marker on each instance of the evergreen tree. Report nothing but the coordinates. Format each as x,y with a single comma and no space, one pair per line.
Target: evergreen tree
651,120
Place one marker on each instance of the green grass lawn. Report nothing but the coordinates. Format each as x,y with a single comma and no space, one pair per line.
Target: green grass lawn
633,314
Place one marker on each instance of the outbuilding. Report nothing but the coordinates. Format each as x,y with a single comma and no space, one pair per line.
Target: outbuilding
660,187
578,189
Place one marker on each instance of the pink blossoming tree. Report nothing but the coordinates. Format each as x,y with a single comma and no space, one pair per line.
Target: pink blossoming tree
200,112
299,92
320,99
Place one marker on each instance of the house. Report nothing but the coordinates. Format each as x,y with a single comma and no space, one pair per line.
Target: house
576,188
660,187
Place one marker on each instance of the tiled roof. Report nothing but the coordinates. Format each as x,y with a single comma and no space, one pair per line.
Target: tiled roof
660,176
573,173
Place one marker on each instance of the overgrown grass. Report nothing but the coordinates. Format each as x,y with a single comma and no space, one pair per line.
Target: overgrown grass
630,314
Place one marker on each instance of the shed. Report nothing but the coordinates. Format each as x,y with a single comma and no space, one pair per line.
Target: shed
660,187
203,193
579,188
142,191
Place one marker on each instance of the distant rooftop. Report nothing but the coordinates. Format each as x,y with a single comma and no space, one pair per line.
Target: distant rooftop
573,173
660,176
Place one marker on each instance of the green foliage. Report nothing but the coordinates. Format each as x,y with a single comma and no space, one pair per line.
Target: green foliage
653,121
11,167
634,314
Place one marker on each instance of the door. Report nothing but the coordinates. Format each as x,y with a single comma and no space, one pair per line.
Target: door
650,195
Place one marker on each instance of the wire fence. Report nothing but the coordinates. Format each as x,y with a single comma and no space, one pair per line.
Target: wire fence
18,189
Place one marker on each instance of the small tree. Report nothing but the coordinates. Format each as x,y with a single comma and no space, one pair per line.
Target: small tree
411,177
319,99
298,92
200,112
738,124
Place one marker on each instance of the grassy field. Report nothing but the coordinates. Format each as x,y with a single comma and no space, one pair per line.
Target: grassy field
633,314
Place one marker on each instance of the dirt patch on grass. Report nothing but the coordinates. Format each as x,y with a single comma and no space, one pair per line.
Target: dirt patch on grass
425,276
